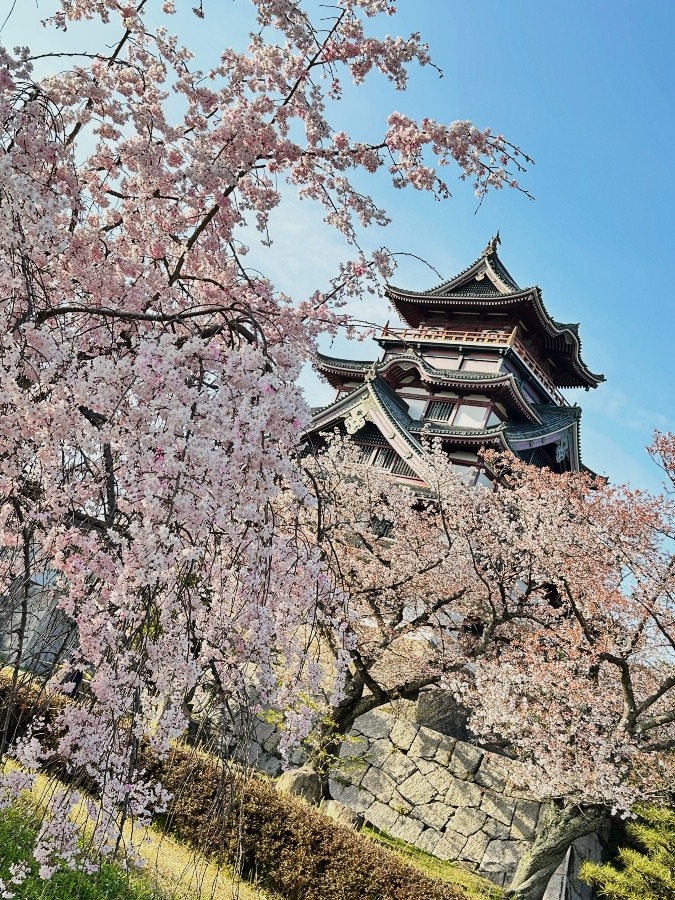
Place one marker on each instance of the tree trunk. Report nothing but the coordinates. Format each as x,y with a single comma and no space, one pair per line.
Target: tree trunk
329,734
538,865
329,737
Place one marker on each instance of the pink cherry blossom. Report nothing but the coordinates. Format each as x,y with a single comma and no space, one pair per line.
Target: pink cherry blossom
151,494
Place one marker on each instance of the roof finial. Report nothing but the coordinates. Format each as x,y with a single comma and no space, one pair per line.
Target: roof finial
492,245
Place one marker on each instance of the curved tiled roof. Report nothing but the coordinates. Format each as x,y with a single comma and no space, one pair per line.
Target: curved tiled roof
554,419
501,270
475,288
553,422
488,264
487,285
460,432
499,381
348,365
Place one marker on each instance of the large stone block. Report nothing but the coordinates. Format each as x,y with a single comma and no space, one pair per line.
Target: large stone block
380,785
355,798
382,816
467,821
303,783
501,879
379,751
450,845
524,821
253,753
349,770
416,789
406,829
374,724
446,747
502,857
425,766
403,734
429,840
442,780
342,814
491,774
463,793
398,766
499,808
465,760
298,757
354,745
263,730
425,744
474,849
494,829
272,742
400,805
270,765
434,814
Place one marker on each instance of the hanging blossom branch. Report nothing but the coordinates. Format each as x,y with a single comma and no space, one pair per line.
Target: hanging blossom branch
150,415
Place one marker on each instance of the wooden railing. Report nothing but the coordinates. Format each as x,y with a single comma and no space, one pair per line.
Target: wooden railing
499,338
480,338
526,357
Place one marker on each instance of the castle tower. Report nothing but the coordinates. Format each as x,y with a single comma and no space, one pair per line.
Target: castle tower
479,363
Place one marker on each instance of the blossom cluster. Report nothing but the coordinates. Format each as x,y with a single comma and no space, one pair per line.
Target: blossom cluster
149,412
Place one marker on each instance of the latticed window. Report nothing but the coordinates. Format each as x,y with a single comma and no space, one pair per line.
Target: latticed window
365,452
402,468
440,410
382,528
385,458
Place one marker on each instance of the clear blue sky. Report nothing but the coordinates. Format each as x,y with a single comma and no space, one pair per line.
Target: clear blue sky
587,89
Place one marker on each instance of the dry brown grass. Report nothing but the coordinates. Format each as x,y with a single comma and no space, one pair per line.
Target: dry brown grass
173,870
182,873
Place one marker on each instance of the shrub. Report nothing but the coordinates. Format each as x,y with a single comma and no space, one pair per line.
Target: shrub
291,848
645,868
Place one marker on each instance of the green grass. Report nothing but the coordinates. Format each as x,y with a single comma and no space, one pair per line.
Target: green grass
173,871
109,883
473,885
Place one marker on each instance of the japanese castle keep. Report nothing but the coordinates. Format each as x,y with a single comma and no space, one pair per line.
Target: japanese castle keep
478,363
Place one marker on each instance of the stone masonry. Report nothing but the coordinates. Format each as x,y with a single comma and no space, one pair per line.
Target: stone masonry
445,796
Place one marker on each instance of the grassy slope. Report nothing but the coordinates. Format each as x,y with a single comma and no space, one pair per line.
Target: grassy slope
176,872
474,886
172,871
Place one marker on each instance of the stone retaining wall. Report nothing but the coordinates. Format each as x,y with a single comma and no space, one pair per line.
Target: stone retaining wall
445,796
442,795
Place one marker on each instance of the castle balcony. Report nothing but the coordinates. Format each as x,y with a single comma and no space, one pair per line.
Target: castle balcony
502,339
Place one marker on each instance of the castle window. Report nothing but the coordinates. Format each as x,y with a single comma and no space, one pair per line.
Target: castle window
402,468
365,453
385,458
440,410
470,416
416,406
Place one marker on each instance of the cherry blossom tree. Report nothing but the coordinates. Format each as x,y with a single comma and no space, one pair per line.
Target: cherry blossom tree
545,605
150,412
585,692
